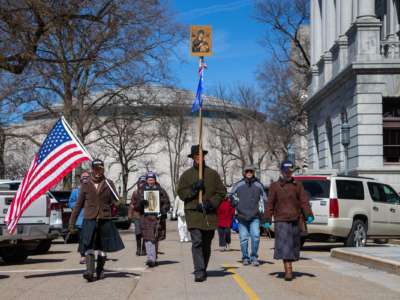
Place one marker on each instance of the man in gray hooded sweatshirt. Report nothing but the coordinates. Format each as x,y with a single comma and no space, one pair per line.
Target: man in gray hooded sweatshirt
249,198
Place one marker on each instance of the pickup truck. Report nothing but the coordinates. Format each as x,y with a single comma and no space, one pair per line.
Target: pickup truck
35,230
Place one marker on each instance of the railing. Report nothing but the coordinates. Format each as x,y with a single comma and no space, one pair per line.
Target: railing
390,49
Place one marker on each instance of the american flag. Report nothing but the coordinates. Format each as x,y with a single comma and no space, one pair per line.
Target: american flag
59,154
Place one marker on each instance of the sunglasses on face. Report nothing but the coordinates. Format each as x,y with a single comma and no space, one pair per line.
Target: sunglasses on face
249,171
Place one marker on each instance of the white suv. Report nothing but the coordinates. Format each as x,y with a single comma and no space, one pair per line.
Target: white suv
351,209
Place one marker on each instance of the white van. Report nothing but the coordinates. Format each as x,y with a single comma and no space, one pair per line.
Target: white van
351,209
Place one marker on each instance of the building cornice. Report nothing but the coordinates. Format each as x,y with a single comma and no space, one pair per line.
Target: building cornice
387,66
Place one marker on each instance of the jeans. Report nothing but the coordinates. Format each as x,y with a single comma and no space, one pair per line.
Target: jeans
201,249
249,229
224,236
151,250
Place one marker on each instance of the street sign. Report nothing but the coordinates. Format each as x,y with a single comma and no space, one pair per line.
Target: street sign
201,40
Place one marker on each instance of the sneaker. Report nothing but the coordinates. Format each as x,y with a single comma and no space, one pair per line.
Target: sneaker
255,262
150,263
221,249
227,247
245,262
82,261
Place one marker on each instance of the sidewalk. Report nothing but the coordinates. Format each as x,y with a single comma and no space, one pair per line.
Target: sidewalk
385,258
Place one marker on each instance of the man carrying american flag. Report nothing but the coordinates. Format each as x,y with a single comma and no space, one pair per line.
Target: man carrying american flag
59,154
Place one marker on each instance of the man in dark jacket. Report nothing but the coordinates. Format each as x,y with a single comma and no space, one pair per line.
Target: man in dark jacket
99,232
201,217
249,199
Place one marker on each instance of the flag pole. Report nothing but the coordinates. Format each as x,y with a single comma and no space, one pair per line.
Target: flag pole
71,131
201,156
200,130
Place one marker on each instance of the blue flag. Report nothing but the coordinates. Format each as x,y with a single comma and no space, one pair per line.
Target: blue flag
198,102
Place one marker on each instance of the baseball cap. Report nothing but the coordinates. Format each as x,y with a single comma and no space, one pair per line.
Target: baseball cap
287,165
97,163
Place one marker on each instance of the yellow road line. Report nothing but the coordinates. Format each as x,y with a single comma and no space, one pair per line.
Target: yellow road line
242,283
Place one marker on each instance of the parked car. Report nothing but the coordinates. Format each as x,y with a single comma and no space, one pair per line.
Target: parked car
33,232
352,209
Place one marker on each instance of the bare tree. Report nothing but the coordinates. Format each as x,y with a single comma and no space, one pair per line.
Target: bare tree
243,125
288,19
87,63
26,24
128,136
173,127
285,77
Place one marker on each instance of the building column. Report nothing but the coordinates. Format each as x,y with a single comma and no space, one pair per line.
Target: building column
366,8
392,20
330,23
345,16
316,36
324,26
354,9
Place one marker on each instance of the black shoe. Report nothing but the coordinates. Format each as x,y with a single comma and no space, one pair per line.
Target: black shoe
150,263
101,261
89,273
200,277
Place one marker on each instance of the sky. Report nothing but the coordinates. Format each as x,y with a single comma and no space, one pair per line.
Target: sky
237,52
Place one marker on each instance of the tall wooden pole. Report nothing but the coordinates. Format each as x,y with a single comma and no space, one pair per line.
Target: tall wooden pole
200,130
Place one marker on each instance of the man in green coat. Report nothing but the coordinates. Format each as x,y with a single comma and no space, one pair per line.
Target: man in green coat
201,217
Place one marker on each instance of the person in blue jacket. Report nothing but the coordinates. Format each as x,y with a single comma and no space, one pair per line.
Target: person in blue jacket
71,204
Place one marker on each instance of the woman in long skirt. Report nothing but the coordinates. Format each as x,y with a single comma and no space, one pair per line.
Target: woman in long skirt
289,205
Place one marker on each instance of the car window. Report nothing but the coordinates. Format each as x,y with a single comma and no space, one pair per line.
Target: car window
317,188
390,194
350,189
13,186
376,192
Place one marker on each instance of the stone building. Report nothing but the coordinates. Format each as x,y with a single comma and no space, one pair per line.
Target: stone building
163,100
355,53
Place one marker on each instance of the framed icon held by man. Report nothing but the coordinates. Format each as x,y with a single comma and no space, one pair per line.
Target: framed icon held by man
201,40
153,198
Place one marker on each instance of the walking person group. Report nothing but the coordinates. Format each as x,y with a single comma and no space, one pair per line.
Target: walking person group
202,207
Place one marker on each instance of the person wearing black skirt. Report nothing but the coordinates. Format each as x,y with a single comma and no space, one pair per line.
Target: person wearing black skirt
99,232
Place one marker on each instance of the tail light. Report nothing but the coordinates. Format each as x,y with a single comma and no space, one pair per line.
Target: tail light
114,210
333,208
56,206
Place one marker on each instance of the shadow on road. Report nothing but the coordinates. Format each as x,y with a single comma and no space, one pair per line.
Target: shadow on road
51,252
218,273
114,274
295,274
262,262
167,262
31,261
4,276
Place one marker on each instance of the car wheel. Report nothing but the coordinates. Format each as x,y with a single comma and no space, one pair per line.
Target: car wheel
358,235
13,255
43,247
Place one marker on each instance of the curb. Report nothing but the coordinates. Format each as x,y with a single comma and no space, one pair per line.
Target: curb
367,260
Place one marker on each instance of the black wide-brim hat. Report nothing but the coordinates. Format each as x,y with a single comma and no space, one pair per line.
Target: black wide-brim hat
195,150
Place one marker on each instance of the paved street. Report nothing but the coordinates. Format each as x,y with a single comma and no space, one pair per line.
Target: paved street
57,275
